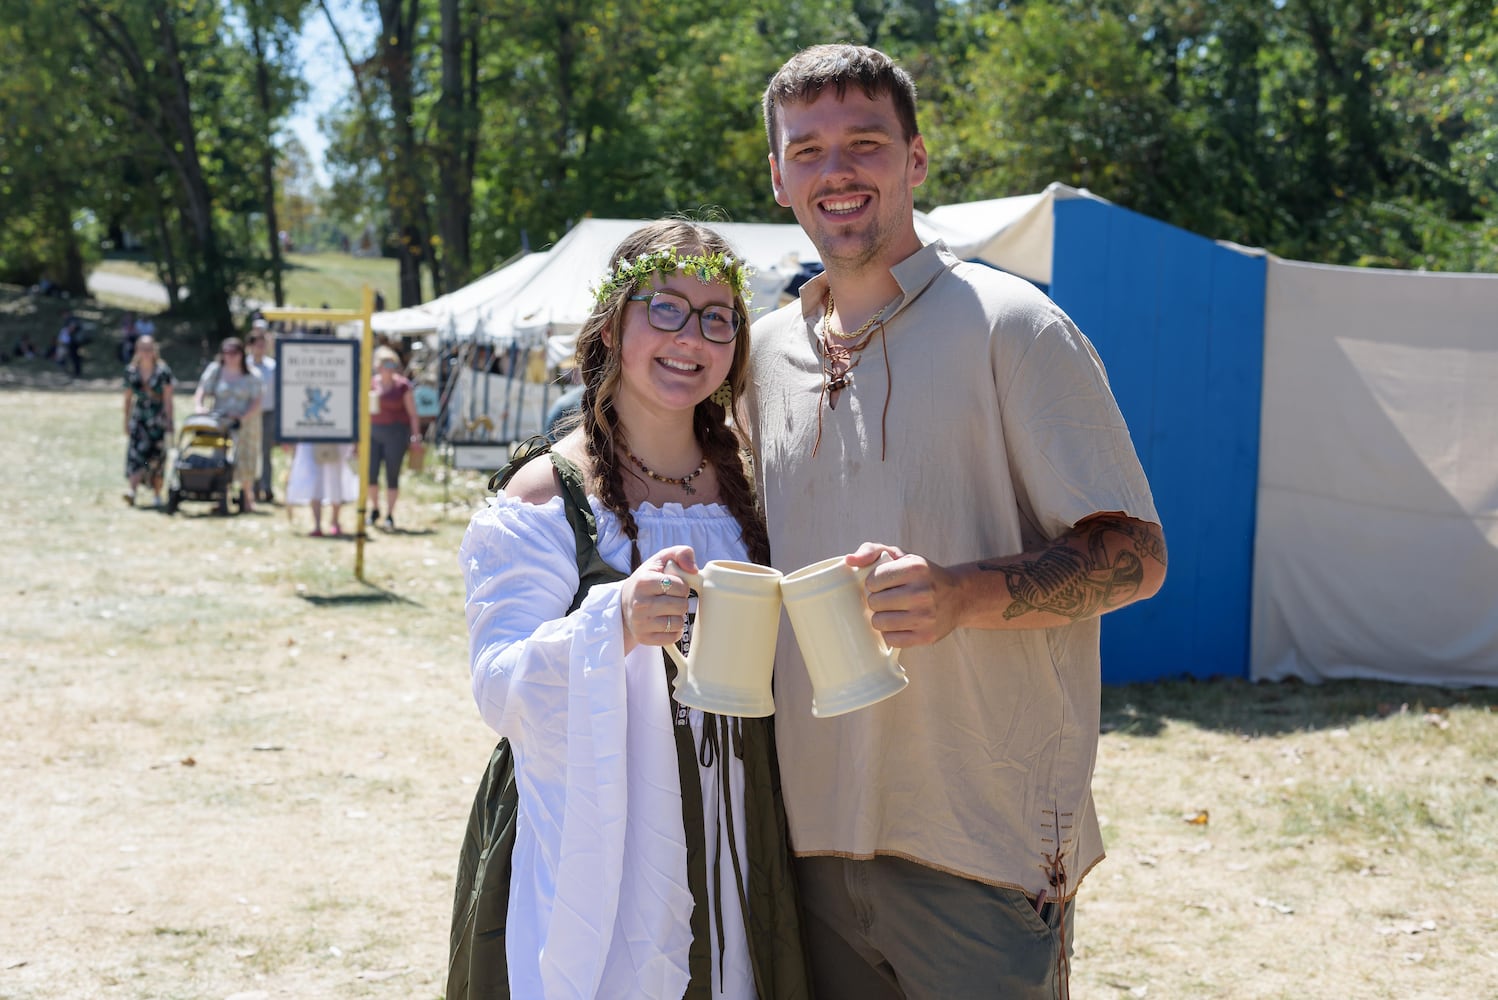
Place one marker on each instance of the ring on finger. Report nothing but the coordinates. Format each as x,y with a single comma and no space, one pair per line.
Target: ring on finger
670,623
665,585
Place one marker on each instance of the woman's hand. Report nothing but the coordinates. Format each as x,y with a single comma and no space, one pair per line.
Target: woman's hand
653,600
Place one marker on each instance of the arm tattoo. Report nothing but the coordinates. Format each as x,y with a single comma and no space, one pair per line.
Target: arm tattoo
1067,582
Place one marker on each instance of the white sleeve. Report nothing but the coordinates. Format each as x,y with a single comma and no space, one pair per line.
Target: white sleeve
604,908
520,565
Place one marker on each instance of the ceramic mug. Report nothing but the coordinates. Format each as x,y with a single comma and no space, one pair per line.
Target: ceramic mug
850,664
732,655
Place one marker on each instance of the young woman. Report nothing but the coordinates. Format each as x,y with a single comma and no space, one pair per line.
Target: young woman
650,855
148,417
235,389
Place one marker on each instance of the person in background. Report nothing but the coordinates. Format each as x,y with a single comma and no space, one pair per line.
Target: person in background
148,418
69,351
322,473
393,429
234,388
677,882
265,365
951,417
129,334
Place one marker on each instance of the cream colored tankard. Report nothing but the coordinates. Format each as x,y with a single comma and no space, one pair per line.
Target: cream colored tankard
850,664
732,656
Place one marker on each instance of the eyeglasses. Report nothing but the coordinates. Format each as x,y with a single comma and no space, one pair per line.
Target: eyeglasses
669,312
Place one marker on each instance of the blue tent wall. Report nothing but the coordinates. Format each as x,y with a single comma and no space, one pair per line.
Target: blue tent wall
1179,323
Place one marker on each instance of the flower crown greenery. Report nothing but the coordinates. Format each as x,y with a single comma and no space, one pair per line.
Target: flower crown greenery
705,268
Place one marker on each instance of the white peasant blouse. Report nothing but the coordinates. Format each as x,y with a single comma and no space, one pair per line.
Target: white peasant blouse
599,903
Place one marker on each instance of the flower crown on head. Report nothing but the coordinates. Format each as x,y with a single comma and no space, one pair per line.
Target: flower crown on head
705,268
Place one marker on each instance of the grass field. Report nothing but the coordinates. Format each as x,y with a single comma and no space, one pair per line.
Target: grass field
232,770
310,279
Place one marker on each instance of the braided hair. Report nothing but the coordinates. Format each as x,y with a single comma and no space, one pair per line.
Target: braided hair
598,359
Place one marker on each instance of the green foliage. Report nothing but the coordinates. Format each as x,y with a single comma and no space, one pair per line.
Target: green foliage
1346,131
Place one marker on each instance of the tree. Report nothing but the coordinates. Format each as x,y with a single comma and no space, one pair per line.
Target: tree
144,49
272,26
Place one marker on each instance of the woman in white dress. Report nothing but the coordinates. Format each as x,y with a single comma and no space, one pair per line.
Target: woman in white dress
321,474
602,900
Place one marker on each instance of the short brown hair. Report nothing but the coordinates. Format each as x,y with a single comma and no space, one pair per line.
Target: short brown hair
807,73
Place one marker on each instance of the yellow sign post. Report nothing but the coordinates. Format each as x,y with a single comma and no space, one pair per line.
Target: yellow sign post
361,393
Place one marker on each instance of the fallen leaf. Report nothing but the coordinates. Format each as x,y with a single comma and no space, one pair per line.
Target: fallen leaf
1272,905
188,761
1199,819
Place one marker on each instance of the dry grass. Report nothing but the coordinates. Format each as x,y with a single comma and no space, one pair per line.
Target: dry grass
231,770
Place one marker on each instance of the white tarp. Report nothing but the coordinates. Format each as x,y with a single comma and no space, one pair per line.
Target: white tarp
461,313
1016,234
1377,542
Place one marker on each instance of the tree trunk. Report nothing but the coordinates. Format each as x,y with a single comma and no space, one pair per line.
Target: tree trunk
166,259
73,277
209,290
398,24
454,127
268,164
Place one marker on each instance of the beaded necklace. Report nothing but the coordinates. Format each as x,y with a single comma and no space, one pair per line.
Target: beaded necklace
685,482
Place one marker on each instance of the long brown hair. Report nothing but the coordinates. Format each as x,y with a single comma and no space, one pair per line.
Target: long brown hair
598,355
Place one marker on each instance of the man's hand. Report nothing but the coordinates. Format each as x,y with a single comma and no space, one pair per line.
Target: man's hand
915,602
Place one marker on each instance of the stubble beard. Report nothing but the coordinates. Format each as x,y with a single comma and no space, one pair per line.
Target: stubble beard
851,252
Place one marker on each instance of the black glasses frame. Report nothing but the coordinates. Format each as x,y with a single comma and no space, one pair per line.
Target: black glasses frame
738,320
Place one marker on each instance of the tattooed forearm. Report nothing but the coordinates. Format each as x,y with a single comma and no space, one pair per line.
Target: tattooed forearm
1078,577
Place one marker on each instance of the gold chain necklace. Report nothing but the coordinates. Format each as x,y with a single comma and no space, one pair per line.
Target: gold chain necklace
827,321
685,482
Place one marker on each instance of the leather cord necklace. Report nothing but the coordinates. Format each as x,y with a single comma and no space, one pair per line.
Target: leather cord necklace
838,362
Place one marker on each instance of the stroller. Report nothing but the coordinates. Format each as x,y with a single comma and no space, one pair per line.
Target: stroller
204,465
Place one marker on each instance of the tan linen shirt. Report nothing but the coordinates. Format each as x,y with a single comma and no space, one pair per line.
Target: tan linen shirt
1001,432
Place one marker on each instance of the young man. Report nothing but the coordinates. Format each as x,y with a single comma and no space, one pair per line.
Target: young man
953,417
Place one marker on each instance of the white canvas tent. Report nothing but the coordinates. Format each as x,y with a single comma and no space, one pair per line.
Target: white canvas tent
462,313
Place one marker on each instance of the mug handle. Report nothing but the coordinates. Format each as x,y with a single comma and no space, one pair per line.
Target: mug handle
694,580
676,657
861,574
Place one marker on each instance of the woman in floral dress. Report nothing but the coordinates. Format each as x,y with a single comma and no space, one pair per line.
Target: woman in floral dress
148,418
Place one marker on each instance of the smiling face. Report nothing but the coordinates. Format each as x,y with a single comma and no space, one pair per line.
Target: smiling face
844,166
663,372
